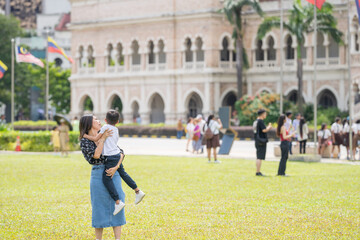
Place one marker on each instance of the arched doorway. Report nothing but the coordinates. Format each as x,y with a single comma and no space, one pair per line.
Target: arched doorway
116,104
327,99
135,110
195,105
229,100
157,106
293,97
86,105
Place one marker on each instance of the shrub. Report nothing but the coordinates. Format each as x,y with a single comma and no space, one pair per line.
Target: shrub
34,141
35,123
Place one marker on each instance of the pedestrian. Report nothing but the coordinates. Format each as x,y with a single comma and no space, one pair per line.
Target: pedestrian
260,136
2,120
285,137
323,138
296,124
356,137
212,130
196,141
75,124
189,132
179,129
302,132
202,124
345,136
289,128
55,139
64,138
336,130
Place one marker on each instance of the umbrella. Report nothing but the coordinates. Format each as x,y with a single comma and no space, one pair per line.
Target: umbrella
58,118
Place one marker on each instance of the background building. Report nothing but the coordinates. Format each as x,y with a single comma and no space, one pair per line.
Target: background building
168,60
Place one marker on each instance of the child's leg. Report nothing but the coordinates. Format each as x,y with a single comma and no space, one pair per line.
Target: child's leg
108,182
127,179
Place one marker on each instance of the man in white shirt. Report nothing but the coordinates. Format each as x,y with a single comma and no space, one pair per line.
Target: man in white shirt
336,129
201,124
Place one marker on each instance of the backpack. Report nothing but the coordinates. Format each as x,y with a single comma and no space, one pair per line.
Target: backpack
208,134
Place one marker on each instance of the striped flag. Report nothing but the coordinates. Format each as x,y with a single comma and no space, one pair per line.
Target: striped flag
54,48
358,8
22,55
3,69
319,3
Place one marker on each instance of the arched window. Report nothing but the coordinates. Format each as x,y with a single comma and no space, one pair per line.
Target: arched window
151,57
199,51
290,51
195,105
333,48
81,56
320,46
91,59
157,106
110,61
188,51
225,53
119,54
88,104
259,53
271,52
327,99
162,54
136,58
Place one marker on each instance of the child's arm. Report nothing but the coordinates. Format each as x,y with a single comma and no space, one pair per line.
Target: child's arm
94,139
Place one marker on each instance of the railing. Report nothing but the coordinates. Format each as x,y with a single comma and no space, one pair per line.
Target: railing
334,61
225,65
120,68
110,69
136,68
189,65
162,66
91,70
289,62
82,70
200,65
321,61
264,64
151,67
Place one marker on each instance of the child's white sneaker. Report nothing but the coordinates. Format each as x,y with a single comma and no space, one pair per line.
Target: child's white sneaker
139,196
118,207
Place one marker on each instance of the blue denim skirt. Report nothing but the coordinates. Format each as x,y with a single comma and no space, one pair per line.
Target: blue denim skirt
102,204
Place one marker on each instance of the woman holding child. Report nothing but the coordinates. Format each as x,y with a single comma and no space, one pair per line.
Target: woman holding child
101,201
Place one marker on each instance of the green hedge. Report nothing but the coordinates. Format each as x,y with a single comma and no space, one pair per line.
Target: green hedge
35,123
34,141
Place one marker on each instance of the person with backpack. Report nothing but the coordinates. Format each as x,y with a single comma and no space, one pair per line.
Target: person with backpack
260,136
211,135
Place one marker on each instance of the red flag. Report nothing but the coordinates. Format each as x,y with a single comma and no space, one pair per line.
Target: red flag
319,3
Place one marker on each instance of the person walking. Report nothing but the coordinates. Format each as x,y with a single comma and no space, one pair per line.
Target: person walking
295,125
285,136
289,128
356,137
55,139
179,129
64,138
260,136
202,124
336,130
302,132
196,137
324,136
189,132
345,136
212,142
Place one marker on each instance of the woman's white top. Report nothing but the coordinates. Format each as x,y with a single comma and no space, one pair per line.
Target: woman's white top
327,134
214,127
346,128
355,128
336,128
305,132
190,128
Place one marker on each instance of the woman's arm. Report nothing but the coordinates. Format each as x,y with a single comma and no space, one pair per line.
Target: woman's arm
100,143
284,133
94,139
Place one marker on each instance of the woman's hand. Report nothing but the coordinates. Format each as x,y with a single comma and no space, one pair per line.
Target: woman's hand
111,171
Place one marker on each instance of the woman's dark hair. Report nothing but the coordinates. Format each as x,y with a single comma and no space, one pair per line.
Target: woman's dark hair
302,122
323,126
211,117
85,125
281,121
189,120
344,121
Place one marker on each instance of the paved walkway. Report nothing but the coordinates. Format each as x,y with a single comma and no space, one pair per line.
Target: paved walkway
176,148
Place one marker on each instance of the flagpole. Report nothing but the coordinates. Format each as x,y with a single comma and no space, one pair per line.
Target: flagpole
12,82
315,65
47,82
281,56
351,98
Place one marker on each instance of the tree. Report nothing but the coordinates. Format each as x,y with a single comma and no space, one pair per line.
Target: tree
233,10
301,22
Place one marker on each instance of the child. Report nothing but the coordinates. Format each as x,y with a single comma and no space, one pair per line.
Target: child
55,139
114,157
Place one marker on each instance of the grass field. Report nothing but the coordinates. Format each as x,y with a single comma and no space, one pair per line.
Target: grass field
47,197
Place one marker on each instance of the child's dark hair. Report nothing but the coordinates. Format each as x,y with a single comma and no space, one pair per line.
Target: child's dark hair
281,121
112,117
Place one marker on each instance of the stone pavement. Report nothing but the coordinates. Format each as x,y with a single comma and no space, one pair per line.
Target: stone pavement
176,148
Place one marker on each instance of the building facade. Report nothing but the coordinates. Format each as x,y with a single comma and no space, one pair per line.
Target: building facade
166,60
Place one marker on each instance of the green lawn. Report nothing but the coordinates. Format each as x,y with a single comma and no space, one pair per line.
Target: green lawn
47,197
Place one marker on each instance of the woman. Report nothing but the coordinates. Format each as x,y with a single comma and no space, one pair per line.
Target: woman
355,134
214,142
189,132
302,133
64,137
101,202
345,134
196,137
285,137
179,129
323,138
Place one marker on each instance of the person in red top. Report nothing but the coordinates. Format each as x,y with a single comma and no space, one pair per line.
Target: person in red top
285,137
